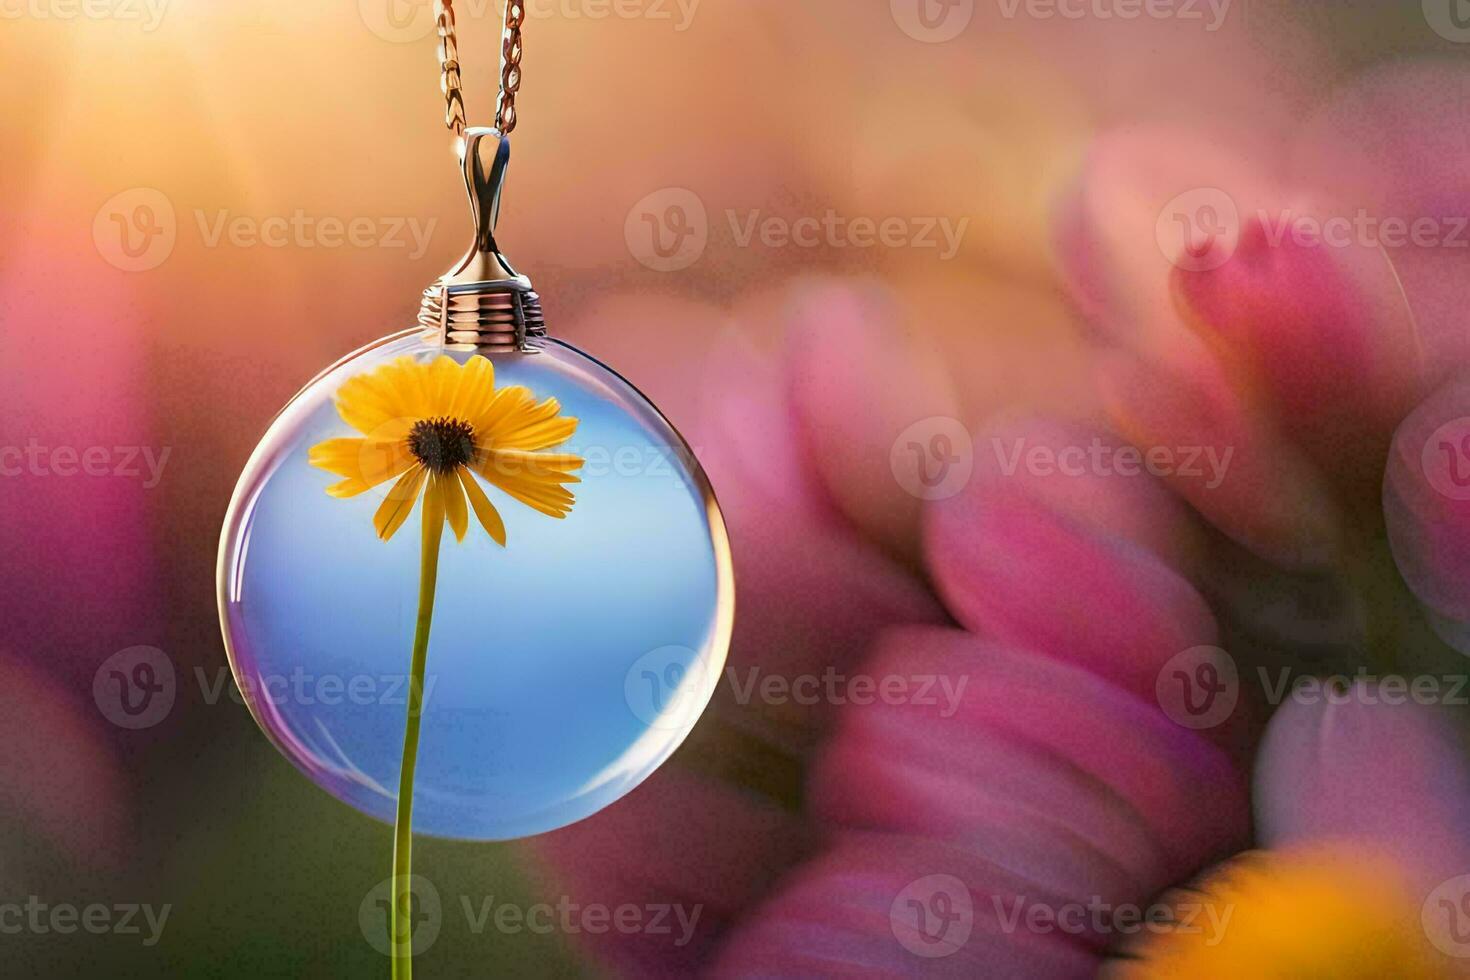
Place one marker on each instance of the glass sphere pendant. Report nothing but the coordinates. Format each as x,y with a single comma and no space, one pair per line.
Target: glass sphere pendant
563,666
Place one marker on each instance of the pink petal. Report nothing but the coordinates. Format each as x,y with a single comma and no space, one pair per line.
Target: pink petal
1115,229
813,591
1393,775
1270,499
1426,501
848,914
1323,328
1048,559
1390,146
906,765
856,384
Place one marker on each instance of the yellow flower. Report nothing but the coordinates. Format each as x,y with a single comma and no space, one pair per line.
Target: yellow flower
434,427
1324,911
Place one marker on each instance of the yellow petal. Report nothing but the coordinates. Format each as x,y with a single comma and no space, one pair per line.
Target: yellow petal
433,506
441,383
399,503
380,398
541,490
475,390
516,461
454,509
364,462
531,432
484,509
507,403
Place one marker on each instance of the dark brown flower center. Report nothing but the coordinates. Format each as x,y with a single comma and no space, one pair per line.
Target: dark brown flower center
442,444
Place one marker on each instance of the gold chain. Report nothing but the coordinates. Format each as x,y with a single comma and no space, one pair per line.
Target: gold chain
510,67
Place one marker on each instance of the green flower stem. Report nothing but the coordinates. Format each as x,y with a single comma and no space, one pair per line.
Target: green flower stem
402,911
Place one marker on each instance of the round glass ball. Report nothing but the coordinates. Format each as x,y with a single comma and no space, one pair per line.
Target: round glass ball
562,669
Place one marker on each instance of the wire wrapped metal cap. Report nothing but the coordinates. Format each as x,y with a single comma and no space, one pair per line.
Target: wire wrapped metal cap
496,316
483,303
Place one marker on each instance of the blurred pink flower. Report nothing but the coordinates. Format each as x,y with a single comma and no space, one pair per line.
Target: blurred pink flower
720,822
1389,149
874,905
1270,498
78,579
1142,195
1368,763
1068,565
1153,801
1320,332
856,383
1426,502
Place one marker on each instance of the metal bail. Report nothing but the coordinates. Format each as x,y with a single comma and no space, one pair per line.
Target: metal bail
483,303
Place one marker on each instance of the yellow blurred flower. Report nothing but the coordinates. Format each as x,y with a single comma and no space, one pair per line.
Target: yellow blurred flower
437,425
1335,912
